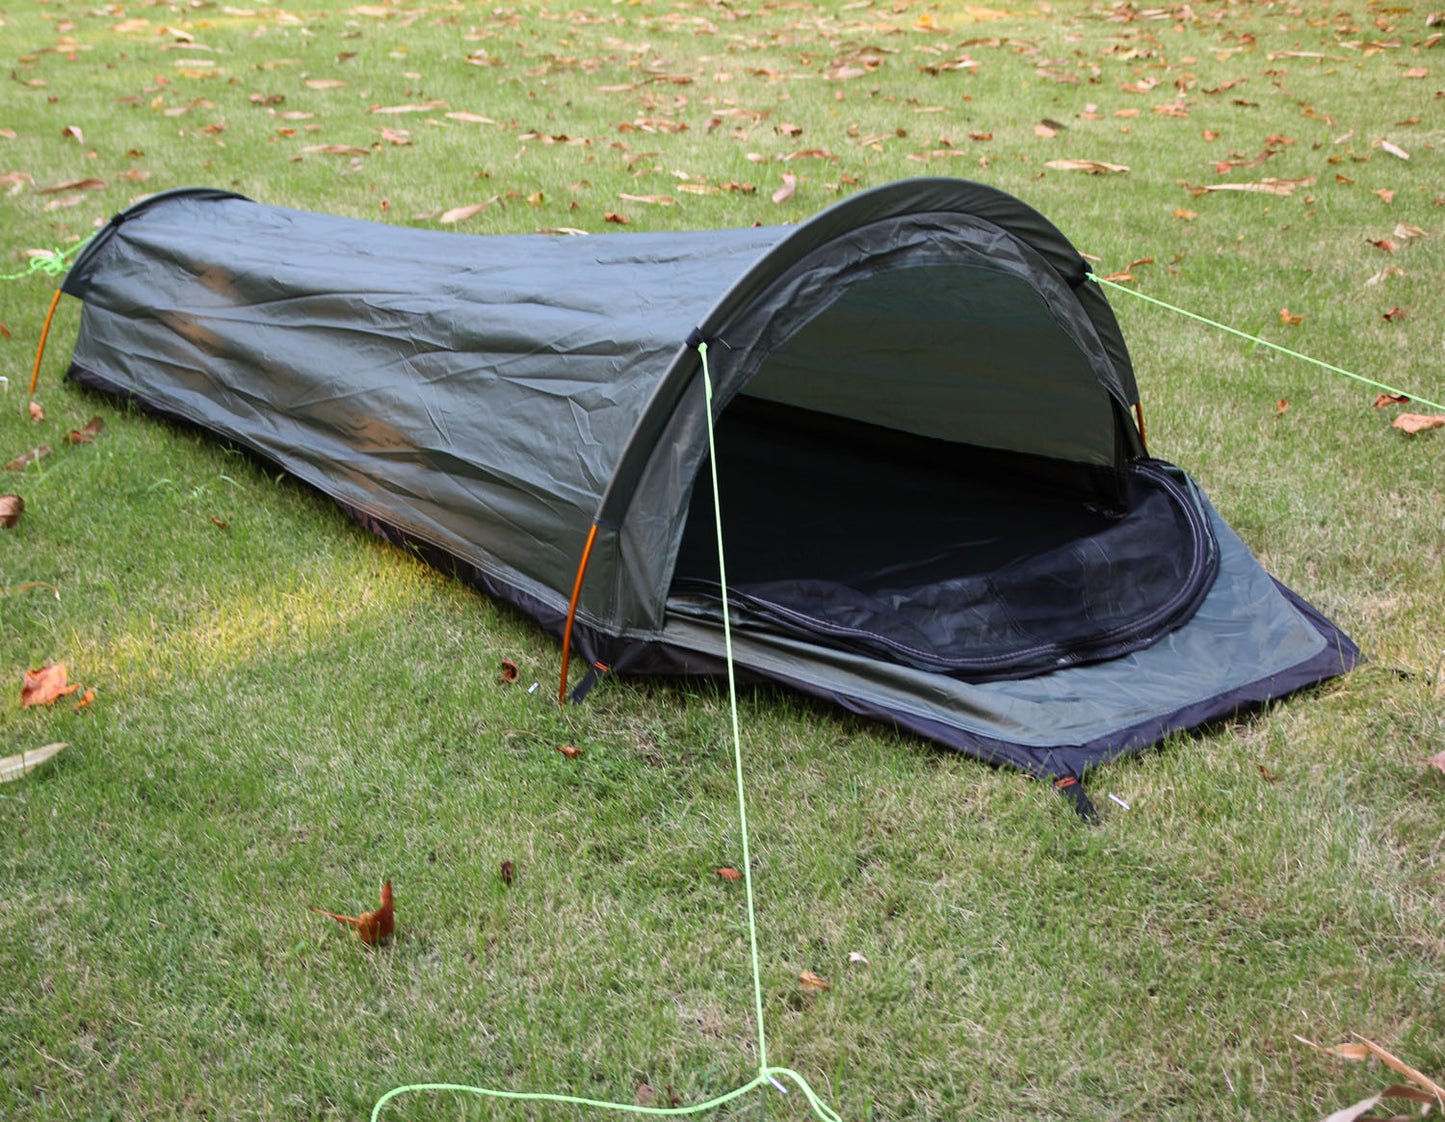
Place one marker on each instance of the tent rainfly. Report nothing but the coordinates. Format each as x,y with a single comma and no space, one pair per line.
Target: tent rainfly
938,510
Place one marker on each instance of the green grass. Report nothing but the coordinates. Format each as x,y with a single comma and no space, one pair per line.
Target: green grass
288,711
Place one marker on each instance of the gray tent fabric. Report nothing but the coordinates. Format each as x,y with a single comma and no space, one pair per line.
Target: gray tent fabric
941,510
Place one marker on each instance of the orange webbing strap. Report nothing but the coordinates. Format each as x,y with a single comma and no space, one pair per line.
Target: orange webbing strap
572,613
44,332
1139,415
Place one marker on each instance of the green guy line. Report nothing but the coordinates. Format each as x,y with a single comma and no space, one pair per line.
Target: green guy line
766,1075
1267,343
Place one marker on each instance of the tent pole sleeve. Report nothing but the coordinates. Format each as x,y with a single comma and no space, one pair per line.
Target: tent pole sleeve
572,613
44,334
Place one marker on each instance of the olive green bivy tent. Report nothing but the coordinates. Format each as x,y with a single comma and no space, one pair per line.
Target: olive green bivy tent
937,508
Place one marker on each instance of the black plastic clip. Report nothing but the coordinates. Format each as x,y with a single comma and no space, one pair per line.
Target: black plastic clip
584,687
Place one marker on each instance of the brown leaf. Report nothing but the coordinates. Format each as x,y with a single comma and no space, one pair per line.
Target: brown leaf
613,216
1045,132
654,200
46,685
85,699
371,927
399,137
337,150
1185,214
219,523
1269,776
37,413
1269,185
1286,316
1281,407
462,213
810,981
1385,399
568,750
729,874
323,83
787,190
461,115
1418,422
1386,244
1090,167
13,767
72,132
11,508
790,130
1392,314
1385,193
19,463
1407,230
1394,150
94,427
509,672
1437,761
73,185
509,871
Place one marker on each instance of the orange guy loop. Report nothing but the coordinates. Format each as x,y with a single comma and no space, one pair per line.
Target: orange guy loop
572,613
44,333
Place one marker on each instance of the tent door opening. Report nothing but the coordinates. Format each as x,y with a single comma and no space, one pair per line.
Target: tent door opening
977,563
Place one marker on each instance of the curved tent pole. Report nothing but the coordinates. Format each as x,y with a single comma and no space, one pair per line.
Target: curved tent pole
572,613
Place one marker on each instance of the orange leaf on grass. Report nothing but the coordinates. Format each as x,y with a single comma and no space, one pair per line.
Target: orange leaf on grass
568,750
729,874
46,685
85,699
1385,399
19,463
1418,422
11,508
37,411
1281,407
1289,317
509,672
787,190
613,216
808,980
371,927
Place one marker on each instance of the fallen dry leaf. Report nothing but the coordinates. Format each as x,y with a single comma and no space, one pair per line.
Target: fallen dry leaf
323,83
462,213
1090,167
1385,193
568,750
509,672
46,685
1407,230
11,508
613,216
337,150
371,927
1286,316
654,200
1186,214
72,132
509,871
37,412
1418,422
808,980
729,874
1385,399
13,767
1386,245
1437,761
1392,314
1281,407
73,185
787,190
85,699
1394,150
19,463
857,958
1269,185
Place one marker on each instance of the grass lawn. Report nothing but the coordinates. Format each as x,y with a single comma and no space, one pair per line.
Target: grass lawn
288,711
